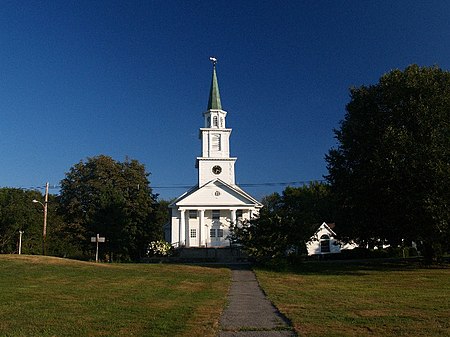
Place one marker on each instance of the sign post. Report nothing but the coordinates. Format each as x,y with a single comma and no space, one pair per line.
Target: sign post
20,242
97,239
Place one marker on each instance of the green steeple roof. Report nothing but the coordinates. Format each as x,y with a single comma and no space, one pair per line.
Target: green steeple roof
214,95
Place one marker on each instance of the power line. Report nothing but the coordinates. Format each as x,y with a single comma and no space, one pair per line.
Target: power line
183,186
289,183
304,182
34,188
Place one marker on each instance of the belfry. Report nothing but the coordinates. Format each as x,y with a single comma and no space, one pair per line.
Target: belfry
202,216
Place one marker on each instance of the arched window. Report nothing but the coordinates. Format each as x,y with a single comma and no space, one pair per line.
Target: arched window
324,244
215,121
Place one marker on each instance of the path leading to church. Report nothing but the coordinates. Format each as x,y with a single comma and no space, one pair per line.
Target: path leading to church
249,313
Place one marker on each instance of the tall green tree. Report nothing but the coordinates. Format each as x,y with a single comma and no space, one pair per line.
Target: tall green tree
62,239
17,213
287,220
114,199
391,169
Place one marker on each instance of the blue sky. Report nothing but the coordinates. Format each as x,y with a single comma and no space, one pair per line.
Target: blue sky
131,78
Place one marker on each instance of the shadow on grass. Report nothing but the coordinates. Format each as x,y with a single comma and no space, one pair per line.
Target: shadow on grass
328,267
211,265
352,267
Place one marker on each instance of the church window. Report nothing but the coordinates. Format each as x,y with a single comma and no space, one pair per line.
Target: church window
216,233
192,214
221,122
216,214
215,121
193,233
216,143
208,122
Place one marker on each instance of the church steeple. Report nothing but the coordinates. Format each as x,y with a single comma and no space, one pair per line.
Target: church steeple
214,115
204,215
214,95
215,161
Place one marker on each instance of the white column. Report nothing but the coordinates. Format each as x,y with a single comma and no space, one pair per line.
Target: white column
201,231
186,230
182,227
233,217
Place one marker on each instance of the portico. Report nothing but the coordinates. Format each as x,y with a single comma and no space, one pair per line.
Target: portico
208,227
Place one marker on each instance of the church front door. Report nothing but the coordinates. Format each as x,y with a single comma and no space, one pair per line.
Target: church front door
216,236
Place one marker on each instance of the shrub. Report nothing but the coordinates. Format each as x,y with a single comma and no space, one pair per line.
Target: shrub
159,248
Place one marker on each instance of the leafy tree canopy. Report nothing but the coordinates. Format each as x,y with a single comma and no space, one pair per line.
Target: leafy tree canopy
17,213
114,199
286,221
391,169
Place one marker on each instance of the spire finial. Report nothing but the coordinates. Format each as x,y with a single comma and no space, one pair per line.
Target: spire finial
213,60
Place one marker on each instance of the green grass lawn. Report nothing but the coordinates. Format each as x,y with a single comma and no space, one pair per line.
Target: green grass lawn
374,299
45,296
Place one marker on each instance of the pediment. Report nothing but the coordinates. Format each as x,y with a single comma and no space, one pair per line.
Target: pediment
323,229
216,193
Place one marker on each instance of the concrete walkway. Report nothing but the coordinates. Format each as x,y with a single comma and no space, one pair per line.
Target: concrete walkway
249,313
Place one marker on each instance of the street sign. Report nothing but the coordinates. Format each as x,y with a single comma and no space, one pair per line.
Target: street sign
97,239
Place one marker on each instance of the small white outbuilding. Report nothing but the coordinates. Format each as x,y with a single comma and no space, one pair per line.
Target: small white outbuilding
323,241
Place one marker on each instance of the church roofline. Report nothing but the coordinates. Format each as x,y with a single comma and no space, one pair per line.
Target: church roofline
235,188
184,195
324,225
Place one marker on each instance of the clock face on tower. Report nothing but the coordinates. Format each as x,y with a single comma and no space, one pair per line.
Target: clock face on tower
216,169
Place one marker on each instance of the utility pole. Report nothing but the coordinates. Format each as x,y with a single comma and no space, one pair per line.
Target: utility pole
45,207
44,233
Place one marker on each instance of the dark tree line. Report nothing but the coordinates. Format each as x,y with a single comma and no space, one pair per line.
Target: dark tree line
98,196
391,170
17,213
389,176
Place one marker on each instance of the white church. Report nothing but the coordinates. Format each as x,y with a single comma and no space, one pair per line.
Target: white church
202,216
